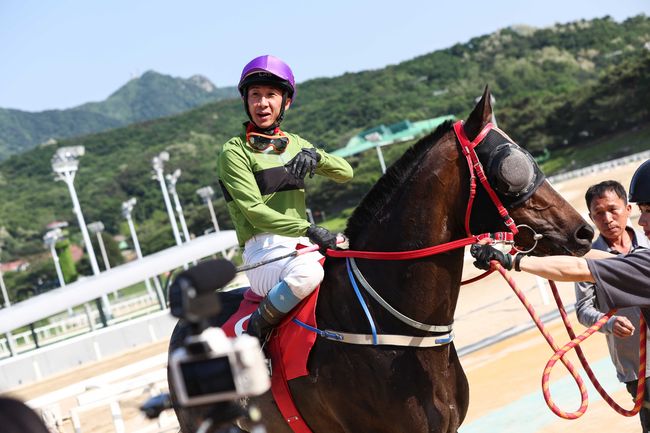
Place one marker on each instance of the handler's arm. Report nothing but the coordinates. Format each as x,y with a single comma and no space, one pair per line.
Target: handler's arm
557,268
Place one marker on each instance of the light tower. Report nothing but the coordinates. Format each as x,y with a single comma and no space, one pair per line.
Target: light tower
97,228
171,185
65,163
207,194
158,163
50,239
127,210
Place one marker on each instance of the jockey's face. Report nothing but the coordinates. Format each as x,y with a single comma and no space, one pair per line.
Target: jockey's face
264,104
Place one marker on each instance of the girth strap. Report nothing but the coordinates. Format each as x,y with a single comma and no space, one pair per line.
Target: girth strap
405,319
391,340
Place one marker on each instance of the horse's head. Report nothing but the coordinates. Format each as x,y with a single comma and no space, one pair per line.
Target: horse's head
520,185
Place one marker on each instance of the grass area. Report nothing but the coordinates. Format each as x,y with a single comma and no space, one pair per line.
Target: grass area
338,223
600,150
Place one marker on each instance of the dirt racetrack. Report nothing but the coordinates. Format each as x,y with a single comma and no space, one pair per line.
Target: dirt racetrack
504,376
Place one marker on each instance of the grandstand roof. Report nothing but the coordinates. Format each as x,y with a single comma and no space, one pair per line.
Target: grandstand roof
383,135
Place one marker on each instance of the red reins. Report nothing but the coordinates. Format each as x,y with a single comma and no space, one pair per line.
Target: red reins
475,170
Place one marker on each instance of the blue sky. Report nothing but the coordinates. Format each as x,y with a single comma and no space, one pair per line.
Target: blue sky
62,53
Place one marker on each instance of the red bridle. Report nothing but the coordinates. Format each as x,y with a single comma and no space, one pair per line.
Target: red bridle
475,170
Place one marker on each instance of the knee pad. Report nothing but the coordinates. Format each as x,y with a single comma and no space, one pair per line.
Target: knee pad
282,297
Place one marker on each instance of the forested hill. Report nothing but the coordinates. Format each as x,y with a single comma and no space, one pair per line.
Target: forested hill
555,88
147,97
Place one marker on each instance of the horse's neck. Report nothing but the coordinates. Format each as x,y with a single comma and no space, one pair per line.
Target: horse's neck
427,211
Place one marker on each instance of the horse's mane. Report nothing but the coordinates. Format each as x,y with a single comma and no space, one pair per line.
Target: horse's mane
395,176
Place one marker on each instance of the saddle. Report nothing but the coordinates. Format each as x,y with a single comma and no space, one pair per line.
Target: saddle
289,344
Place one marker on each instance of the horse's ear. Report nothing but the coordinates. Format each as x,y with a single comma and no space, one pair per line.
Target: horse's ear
480,116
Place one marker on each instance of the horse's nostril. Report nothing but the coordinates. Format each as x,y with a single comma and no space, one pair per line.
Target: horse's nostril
585,234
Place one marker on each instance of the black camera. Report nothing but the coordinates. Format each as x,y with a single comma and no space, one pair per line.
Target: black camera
210,367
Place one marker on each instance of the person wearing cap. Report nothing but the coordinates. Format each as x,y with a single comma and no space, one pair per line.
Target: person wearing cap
619,280
262,175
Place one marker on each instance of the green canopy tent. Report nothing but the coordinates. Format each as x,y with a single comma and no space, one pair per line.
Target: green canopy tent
383,135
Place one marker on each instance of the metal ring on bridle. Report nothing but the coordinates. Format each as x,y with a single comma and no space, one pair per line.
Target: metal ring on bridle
536,238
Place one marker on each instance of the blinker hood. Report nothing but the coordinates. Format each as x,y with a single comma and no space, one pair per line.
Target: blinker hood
511,170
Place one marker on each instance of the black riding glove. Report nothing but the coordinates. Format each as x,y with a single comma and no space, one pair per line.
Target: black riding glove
322,237
304,162
486,253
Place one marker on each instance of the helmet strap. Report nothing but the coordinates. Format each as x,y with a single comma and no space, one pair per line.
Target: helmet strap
281,115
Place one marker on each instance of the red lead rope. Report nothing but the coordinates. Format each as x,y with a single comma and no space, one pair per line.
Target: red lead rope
574,344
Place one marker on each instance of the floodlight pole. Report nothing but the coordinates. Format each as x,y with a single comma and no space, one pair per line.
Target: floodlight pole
207,193
172,179
97,227
50,239
65,165
158,163
380,155
127,208
68,177
5,295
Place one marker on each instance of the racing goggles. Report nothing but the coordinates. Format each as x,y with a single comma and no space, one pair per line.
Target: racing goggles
267,143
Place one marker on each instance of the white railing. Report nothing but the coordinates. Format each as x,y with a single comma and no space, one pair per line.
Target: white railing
596,168
69,326
123,386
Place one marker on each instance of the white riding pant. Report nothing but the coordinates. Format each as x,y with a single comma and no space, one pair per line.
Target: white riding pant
302,273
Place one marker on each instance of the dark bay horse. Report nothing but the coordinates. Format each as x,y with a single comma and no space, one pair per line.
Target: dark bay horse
421,201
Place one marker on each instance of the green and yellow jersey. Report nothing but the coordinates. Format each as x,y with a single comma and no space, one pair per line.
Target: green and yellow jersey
261,195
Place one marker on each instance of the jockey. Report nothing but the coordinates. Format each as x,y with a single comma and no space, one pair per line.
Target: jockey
261,173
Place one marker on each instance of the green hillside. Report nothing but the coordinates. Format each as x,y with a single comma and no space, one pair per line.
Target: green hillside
555,89
150,96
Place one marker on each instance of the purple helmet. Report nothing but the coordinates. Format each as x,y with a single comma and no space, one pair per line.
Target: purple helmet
267,70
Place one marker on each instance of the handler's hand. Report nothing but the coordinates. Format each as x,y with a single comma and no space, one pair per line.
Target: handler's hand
486,253
623,328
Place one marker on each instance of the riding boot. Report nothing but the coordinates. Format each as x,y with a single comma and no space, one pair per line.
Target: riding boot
279,301
263,320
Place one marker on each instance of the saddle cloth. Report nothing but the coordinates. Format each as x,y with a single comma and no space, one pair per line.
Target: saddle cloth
294,340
